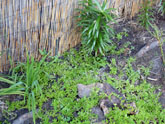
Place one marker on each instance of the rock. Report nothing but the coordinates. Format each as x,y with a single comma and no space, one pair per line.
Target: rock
1,116
2,108
100,115
105,104
108,89
102,72
85,90
24,118
157,65
98,123
47,105
112,99
132,108
147,48
157,72
162,100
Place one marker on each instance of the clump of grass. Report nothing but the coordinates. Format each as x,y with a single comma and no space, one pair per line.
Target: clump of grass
26,84
145,17
162,7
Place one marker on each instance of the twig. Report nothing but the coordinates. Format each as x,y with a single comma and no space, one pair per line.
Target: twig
152,79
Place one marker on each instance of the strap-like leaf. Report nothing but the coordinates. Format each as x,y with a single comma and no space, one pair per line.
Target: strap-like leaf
98,5
33,107
6,80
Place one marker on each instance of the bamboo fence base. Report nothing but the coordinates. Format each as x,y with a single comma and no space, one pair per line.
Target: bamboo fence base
30,25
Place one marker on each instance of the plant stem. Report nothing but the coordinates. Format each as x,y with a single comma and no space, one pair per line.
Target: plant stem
158,35
161,50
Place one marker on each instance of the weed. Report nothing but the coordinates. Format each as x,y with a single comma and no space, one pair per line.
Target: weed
158,33
120,35
162,7
113,67
146,16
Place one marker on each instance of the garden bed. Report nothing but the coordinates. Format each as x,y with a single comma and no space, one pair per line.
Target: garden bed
141,81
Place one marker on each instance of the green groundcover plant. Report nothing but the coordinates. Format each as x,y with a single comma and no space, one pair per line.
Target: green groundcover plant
59,103
93,19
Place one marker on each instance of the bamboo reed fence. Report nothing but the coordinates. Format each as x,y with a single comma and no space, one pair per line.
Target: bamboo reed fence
30,25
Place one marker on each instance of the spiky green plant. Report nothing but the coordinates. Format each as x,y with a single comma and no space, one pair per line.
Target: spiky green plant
15,88
28,85
93,20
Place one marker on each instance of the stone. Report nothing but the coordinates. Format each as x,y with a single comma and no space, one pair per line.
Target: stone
100,115
105,104
157,66
162,100
24,119
85,90
108,89
147,48
113,98
1,116
132,108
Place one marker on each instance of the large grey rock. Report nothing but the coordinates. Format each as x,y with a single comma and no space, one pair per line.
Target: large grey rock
113,97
